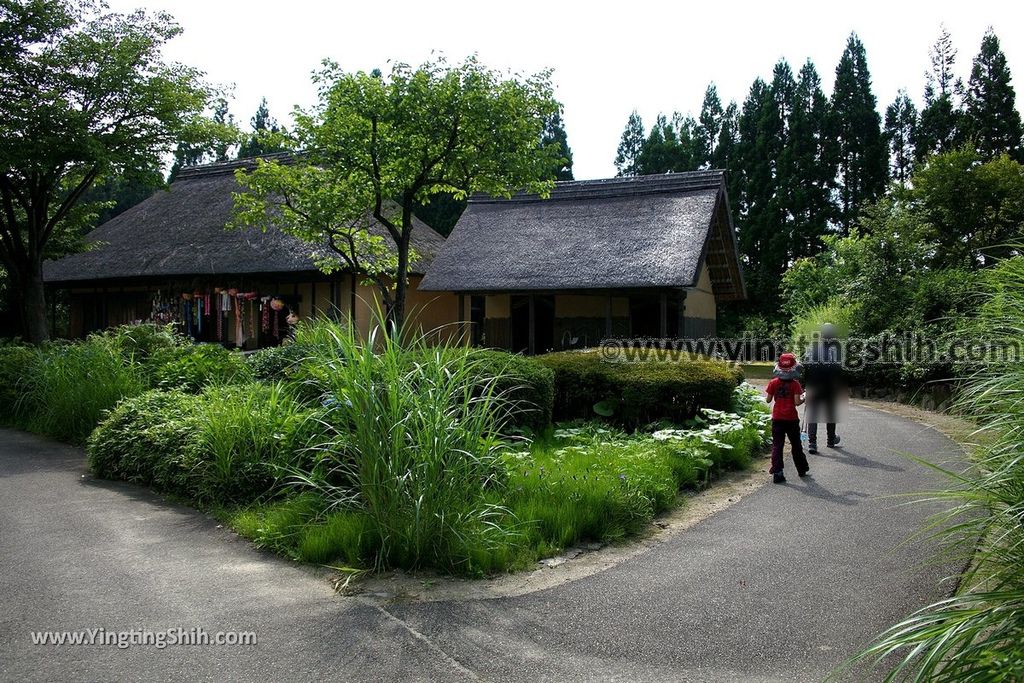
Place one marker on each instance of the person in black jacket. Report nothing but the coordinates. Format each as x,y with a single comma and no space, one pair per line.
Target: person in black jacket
823,377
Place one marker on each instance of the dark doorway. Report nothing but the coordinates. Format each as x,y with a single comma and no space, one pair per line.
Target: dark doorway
543,323
645,315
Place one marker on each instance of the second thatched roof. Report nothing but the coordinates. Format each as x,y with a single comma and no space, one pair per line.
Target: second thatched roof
620,233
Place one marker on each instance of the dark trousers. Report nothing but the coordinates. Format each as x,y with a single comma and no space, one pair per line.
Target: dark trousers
821,405
780,430
812,432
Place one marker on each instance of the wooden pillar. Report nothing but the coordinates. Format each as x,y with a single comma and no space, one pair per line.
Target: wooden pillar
663,315
462,318
682,314
608,317
532,348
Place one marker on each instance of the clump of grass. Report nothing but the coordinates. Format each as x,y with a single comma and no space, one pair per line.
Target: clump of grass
594,483
250,437
66,393
348,536
423,439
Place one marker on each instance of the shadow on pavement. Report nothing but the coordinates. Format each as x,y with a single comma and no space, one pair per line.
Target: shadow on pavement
812,488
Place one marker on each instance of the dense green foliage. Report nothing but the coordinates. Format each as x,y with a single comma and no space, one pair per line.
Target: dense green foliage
975,634
802,167
192,367
584,482
637,392
227,445
86,94
387,453
64,389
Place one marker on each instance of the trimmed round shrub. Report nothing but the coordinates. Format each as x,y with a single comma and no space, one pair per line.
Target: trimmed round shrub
193,367
150,439
637,392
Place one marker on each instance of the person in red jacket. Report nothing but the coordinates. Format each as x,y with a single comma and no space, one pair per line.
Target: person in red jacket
787,394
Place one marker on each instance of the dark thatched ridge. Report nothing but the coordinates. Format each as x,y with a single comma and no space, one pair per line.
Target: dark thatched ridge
181,233
620,233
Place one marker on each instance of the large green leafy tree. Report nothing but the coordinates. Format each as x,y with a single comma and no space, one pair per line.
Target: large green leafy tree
856,127
375,148
630,145
973,209
991,117
900,130
940,123
84,94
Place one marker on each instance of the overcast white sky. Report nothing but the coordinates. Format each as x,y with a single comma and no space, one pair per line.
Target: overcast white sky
609,58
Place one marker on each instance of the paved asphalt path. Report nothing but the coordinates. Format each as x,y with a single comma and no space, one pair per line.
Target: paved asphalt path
782,586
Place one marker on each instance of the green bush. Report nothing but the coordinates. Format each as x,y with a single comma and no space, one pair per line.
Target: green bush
637,392
193,367
66,393
278,363
139,342
151,439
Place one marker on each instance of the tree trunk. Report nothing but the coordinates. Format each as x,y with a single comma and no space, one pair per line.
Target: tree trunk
33,304
401,283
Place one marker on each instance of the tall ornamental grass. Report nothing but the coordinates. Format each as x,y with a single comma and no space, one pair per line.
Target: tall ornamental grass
67,390
421,428
978,633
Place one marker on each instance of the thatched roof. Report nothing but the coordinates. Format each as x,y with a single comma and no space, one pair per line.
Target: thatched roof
620,233
181,232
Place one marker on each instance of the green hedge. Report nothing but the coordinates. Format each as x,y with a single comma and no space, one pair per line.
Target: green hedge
529,385
151,439
638,392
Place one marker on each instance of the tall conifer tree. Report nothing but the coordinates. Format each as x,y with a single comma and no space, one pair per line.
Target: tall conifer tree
811,162
861,159
991,116
709,130
900,131
630,145
938,127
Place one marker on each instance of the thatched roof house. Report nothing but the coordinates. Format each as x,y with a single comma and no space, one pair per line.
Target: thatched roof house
642,256
176,243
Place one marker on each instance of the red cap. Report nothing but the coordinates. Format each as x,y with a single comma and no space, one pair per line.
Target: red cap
787,361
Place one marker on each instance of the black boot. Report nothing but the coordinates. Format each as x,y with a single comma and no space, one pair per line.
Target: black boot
779,478
834,441
812,448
